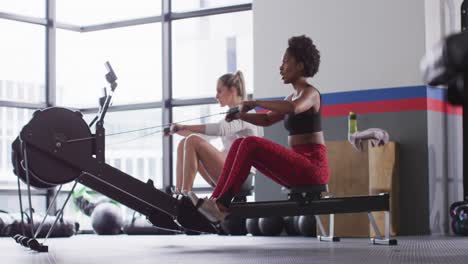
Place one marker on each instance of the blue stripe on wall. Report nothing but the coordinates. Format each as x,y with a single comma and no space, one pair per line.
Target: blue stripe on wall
437,93
372,95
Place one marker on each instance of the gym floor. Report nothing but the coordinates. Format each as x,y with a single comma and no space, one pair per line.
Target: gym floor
230,249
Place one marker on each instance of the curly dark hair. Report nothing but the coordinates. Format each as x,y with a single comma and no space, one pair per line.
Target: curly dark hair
304,50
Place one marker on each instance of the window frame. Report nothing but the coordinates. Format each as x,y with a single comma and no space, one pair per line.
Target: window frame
166,104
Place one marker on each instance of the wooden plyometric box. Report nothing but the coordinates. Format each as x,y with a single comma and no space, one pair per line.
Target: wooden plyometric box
372,171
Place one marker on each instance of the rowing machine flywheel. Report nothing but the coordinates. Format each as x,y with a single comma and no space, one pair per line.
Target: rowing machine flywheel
52,140
19,167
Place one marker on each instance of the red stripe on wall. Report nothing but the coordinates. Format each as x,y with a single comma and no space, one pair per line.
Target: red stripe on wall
375,107
402,105
443,107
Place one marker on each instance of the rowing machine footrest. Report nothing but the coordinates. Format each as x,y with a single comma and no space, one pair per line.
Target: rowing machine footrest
388,242
328,239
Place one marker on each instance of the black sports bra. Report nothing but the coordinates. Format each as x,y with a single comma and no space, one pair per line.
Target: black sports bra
305,122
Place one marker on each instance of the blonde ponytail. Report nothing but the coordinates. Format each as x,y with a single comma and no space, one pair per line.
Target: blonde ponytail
240,84
235,80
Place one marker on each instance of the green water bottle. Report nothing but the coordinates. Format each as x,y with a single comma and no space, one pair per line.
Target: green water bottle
352,124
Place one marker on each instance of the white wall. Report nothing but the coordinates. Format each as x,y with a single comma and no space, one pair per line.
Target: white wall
365,44
442,18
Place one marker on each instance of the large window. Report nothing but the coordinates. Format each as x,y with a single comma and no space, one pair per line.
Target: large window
11,122
137,153
205,48
186,5
91,12
35,8
135,55
210,112
43,66
22,63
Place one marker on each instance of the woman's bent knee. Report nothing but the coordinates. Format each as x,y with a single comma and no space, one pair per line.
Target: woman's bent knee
237,141
180,146
193,141
251,140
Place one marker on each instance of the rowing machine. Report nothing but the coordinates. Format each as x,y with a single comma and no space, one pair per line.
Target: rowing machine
57,147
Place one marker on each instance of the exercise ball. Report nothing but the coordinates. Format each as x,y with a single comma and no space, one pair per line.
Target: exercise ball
271,226
234,226
307,225
291,225
251,224
107,219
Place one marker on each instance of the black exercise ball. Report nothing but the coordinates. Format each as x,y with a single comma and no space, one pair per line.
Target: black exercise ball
8,224
271,226
45,226
307,225
107,219
234,226
65,228
291,225
251,224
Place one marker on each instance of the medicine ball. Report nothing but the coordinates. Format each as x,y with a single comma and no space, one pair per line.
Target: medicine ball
291,225
107,219
271,226
307,225
234,226
251,224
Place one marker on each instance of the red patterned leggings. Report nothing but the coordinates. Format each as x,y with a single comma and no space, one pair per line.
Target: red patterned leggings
303,165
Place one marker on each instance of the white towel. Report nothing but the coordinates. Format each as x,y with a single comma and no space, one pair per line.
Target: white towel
377,137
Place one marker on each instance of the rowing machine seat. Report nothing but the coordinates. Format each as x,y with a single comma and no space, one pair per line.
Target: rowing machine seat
309,192
308,188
